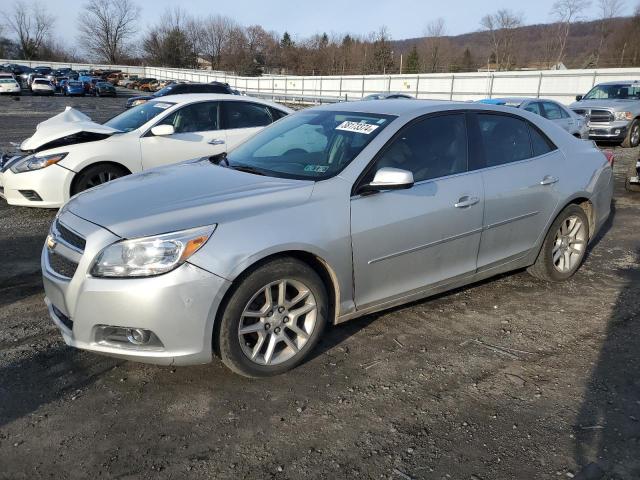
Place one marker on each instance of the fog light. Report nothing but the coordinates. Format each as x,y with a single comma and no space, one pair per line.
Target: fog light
617,132
127,337
138,336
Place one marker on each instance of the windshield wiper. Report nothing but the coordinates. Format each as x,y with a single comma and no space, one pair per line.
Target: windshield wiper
247,169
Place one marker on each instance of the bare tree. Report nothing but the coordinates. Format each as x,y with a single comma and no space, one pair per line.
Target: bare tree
608,10
434,32
501,27
566,12
216,36
106,26
31,24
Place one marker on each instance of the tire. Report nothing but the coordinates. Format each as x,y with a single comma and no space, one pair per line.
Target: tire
633,172
274,323
96,175
632,139
550,268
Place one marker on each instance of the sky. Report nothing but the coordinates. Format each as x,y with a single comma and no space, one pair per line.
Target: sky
403,18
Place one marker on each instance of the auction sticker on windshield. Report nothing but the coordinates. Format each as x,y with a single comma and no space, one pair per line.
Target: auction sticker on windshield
357,127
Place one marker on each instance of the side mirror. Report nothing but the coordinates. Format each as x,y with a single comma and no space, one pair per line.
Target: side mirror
388,179
578,98
163,130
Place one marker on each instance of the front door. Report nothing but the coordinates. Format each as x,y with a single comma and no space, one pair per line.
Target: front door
241,120
406,240
196,135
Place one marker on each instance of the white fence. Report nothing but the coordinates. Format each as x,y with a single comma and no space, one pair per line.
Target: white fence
561,85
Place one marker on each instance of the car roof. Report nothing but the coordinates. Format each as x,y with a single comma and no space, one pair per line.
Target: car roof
620,82
183,98
399,106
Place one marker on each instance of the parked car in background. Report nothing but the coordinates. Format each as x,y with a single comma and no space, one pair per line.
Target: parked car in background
128,81
69,153
360,207
388,96
104,89
73,88
564,117
44,71
9,85
179,89
150,85
612,111
138,83
32,76
632,182
42,86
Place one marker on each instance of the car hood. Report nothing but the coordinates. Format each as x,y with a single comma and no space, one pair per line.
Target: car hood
183,196
68,123
613,104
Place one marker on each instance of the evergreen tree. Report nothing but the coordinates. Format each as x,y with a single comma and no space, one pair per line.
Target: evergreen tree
413,61
286,41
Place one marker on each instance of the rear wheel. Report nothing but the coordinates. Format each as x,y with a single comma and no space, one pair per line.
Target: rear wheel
97,175
633,172
273,319
564,246
633,135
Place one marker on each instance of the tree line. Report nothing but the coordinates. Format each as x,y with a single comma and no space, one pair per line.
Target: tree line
109,32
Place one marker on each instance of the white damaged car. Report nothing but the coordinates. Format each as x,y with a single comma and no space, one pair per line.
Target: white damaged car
70,153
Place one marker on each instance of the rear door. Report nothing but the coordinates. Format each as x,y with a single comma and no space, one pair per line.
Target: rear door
520,170
240,120
196,135
407,240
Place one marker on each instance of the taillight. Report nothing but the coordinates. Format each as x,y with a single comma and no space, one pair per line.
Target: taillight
610,156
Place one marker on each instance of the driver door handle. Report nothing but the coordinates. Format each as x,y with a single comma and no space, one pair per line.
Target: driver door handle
548,180
466,201
216,141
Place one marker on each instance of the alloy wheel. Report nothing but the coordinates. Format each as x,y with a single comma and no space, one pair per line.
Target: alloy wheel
570,244
277,322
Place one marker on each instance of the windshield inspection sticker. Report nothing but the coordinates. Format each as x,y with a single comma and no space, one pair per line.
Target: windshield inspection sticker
316,168
356,127
162,105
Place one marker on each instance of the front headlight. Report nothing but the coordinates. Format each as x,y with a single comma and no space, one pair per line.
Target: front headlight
144,257
623,115
30,163
138,102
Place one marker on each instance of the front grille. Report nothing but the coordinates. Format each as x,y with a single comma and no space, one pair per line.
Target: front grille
66,321
601,116
31,195
70,237
62,265
1,190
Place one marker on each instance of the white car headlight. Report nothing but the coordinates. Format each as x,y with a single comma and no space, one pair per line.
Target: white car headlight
148,256
30,163
623,115
138,102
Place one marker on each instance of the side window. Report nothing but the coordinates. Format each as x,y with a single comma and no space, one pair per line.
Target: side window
505,139
244,115
197,117
540,142
215,89
552,111
430,148
277,114
534,108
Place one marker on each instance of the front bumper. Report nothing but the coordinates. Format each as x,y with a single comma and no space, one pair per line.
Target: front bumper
616,131
51,184
179,307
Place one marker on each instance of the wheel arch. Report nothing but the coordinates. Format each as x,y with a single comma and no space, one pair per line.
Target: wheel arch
318,264
91,165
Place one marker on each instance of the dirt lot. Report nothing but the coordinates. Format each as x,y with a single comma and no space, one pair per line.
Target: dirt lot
508,379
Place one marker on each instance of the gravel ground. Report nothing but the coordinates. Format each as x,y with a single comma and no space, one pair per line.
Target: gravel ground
509,378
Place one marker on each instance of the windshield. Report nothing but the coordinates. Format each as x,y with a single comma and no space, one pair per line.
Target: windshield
137,116
7,80
620,92
312,145
164,91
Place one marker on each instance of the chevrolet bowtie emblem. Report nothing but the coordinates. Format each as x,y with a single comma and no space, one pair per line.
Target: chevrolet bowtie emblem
51,242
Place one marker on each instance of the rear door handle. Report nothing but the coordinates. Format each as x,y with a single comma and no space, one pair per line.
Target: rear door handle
216,141
548,180
466,201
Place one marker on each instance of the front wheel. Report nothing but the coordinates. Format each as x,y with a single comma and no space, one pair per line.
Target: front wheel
96,175
632,139
564,246
273,319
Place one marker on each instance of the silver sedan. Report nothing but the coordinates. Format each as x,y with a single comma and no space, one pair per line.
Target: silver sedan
327,215
562,116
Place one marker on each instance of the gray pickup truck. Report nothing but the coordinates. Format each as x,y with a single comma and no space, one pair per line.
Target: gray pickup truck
612,110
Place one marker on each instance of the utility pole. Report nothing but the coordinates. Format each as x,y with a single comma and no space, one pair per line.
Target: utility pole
400,64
